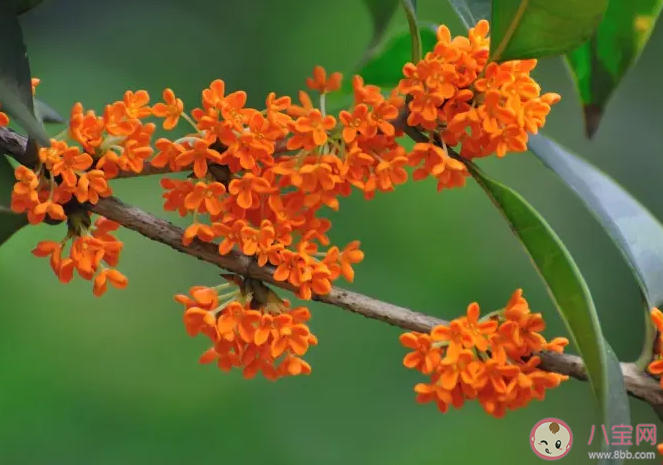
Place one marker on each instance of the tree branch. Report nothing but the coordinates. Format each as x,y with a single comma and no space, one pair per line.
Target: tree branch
163,231
12,143
638,384
148,170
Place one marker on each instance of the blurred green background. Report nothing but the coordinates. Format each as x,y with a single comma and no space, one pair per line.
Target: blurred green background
116,381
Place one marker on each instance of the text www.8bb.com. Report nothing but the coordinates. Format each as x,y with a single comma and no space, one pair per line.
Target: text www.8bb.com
622,454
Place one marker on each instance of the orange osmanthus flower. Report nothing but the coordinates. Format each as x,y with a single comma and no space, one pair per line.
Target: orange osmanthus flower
473,358
170,111
321,83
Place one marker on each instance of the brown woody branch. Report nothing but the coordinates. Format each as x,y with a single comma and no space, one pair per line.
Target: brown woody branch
14,144
638,384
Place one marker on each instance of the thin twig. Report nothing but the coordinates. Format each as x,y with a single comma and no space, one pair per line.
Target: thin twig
148,170
638,384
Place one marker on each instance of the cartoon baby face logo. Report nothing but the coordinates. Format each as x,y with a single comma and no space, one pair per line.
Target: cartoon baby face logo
551,439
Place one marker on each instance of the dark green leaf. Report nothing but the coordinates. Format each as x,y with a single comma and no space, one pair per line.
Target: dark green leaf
16,80
599,65
410,7
522,29
21,6
46,114
635,231
567,289
471,11
7,181
381,13
617,409
382,65
385,68
10,222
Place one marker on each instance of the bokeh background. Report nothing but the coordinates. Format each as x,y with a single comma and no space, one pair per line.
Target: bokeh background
116,381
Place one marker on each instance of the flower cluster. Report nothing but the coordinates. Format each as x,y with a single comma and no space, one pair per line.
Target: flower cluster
255,193
251,329
75,169
259,178
484,107
90,248
490,359
79,163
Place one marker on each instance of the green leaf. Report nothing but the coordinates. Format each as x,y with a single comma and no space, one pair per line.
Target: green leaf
16,80
381,12
10,222
385,67
46,114
21,6
7,181
635,231
410,7
568,291
617,410
599,65
471,11
522,29
382,64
